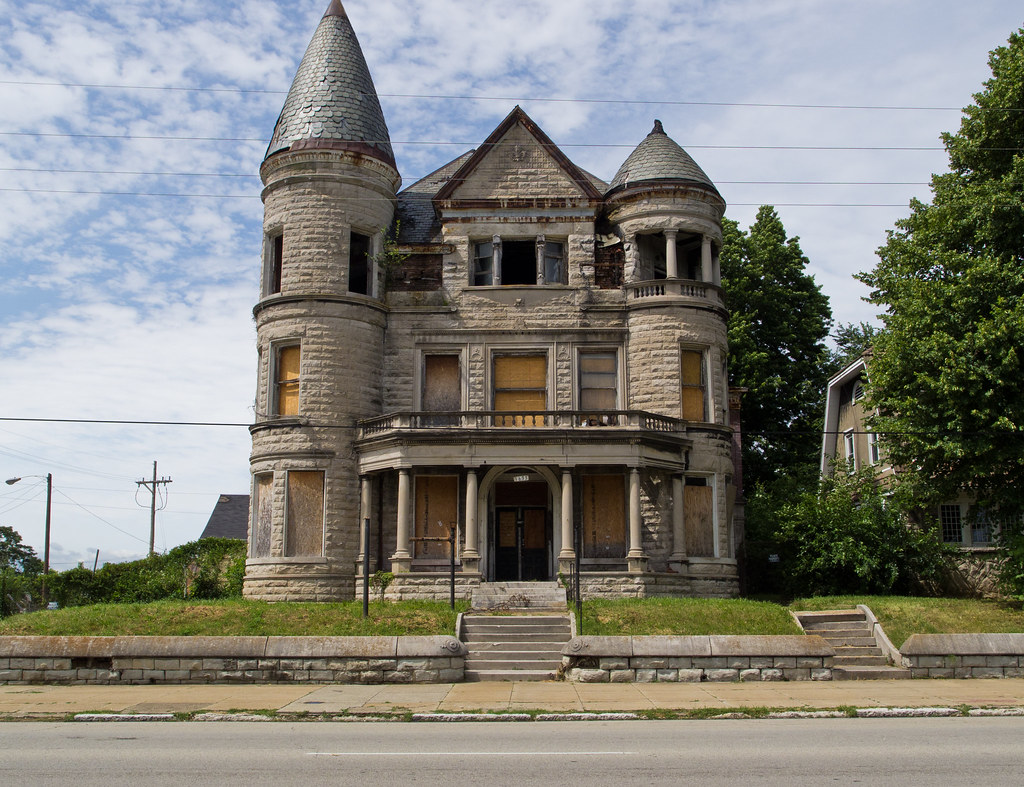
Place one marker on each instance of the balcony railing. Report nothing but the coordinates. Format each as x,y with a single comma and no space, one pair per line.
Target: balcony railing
637,420
672,287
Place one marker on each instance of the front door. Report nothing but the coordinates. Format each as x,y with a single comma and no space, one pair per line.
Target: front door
520,542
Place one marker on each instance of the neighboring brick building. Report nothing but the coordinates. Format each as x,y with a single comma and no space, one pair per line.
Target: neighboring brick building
539,363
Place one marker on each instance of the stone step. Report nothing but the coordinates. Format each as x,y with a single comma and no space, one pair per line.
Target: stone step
856,650
829,616
836,625
841,633
516,646
483,629
870,673
509,674
853,642
524,636
514,620
480,665
859,661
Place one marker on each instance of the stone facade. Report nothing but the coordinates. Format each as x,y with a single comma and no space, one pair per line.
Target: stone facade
536,359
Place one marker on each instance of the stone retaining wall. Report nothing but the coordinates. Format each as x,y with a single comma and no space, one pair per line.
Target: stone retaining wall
694,659
174,660
965,655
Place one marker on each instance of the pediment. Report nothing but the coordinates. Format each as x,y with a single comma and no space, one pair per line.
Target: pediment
518,162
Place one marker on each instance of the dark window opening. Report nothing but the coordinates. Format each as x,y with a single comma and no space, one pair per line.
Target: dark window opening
483,264
518,262
276,244
359,264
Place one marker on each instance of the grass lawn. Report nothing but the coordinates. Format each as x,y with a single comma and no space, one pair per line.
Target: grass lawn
902,616
685,616
237,617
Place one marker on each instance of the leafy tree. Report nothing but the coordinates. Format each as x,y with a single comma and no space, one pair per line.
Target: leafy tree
16,556
947,372
846,537
852,340
778,321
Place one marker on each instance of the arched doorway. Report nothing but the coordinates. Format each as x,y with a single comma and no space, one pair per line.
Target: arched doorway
521,526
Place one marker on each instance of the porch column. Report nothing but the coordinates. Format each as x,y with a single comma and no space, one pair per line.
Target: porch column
635,558
671,263
707,272
678,523
567,553
401,561
470,555
365,502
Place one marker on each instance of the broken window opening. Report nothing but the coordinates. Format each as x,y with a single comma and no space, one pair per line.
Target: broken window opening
359,264
518,262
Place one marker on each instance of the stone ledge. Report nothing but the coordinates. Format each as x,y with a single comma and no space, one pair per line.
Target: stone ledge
679,646
964,645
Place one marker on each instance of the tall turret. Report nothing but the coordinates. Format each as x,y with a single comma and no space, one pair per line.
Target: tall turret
330,186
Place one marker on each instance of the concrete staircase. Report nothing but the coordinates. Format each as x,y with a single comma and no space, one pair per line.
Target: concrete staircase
515,631
858,656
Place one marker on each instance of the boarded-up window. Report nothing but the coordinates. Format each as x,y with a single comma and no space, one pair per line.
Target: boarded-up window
286,380
598,380
305,524
604,516
698,509
520,384
437,512
694,386
262,516
442,391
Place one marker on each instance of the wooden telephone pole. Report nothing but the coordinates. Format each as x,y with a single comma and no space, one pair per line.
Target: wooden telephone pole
152,487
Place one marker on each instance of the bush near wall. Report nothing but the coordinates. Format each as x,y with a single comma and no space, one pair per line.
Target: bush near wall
208,568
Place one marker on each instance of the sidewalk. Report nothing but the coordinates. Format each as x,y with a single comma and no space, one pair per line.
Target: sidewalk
58,701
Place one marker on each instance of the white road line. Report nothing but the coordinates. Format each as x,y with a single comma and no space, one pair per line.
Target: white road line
473,753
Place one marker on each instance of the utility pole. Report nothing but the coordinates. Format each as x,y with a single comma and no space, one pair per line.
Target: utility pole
152,487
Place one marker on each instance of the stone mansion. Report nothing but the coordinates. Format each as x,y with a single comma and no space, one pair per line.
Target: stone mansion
509,348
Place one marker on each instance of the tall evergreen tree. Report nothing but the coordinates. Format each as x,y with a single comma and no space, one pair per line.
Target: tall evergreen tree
947,374
778,322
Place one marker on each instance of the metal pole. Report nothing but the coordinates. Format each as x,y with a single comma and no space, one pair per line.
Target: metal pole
578,533
451,549
152,515
366,567
46,543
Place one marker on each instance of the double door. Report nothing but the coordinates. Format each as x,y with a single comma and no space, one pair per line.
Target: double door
521,539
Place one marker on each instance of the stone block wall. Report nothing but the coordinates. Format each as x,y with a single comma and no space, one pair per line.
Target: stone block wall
965,655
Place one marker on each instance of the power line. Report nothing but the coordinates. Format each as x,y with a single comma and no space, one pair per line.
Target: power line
524,99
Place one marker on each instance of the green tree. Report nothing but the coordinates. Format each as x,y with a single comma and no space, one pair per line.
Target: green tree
947,375
778,322
19,566
852,340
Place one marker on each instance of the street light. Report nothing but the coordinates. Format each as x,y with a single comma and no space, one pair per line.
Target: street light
46,546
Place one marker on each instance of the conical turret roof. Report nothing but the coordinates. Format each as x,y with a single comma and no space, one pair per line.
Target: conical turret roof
332,102
658,157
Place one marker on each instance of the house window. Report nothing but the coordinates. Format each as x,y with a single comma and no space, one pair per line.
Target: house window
598,380
286,380
874,455
518,262
304,526
694,385
520,385
554,262
359,264
261,515
437,513
981,529
849,449
603,516
951,523
483,264
275,262
699,513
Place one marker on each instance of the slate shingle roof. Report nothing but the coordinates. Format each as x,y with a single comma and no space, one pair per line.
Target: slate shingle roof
332,99
658,157
230,518
419,222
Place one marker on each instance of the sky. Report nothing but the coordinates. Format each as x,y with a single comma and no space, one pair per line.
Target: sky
131,135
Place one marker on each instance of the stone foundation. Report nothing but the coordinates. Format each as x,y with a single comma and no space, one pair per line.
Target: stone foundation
965,655
714,580
425,587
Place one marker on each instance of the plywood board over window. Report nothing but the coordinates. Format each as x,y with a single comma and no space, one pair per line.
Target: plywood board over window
287,380
305,510
262,516
698,509
437,511
604,516
442,390
520,384
694,385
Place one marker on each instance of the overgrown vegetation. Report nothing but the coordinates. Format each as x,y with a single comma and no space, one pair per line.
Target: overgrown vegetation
685,616
902,616
239,617
205,569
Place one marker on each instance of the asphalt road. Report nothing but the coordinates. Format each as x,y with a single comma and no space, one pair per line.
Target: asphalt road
792,752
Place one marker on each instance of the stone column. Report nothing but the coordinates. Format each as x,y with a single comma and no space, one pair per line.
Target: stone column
401,561
496,260
671,263
707,272
470,554
635,558
567,554
365,504
541,240
678,556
